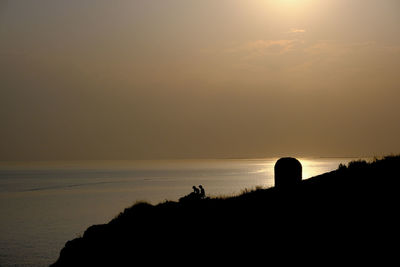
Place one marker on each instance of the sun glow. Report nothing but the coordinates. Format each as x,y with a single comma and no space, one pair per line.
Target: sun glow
286,7
289,2
294,4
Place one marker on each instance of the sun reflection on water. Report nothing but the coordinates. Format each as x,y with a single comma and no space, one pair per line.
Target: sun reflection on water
316,166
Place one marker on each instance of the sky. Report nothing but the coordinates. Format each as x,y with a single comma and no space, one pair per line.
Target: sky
178,79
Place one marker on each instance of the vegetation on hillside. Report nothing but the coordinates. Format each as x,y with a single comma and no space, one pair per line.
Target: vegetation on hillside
353,206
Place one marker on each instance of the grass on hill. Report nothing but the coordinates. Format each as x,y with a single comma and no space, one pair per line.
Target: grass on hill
353,207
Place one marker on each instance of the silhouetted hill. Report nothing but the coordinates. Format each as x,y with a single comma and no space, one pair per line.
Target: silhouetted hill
346,215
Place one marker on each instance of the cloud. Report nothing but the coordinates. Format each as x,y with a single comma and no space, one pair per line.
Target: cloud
262,57
266,47
303,59
295,30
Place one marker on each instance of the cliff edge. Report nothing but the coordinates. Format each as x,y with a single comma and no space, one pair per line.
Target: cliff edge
349,212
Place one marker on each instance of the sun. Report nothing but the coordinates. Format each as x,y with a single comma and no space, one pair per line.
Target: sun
282,5
294,3
288,2
289,8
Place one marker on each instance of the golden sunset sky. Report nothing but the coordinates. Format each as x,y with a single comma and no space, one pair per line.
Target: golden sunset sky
162,79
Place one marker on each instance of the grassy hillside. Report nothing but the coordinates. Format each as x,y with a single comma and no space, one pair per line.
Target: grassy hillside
335,214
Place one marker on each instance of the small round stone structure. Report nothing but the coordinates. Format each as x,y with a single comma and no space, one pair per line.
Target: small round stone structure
288,172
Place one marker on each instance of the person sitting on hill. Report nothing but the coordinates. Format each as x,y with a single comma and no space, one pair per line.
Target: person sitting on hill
202,192
196,191
195,195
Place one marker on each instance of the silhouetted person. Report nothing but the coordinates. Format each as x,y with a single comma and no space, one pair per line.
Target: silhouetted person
288,172
202,192
196,191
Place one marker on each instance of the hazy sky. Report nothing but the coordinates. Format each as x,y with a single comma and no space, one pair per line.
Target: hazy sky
155,79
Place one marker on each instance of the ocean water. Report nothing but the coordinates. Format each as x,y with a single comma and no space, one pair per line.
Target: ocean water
45,204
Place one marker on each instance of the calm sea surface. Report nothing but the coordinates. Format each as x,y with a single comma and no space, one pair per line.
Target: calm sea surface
45,204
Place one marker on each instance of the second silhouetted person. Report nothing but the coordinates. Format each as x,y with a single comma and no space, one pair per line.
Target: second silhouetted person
202,192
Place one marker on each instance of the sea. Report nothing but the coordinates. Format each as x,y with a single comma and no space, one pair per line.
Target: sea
45,204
